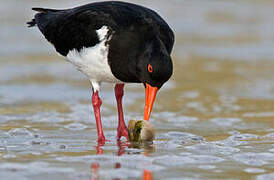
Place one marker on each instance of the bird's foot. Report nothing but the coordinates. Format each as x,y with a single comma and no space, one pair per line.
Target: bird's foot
121,147
122,131
101,140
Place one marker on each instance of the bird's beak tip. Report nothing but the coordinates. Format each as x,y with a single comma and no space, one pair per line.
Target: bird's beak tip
150,97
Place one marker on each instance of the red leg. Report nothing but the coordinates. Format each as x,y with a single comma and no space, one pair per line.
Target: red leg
96,102
122,128
121,147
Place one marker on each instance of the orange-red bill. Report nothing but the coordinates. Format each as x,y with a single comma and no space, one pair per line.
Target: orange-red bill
150,97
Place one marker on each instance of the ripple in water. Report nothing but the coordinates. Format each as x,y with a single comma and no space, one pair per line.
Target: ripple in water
211,148
207,167
237,139
254,170
266,177
225,121
76,126
121,173
174,160
254,159
20,132
184,136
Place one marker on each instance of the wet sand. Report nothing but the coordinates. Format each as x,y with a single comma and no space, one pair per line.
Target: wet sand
213,119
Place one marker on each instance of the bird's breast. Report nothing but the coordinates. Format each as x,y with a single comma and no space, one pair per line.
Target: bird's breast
93,61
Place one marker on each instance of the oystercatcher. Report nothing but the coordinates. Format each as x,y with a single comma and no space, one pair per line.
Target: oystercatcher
115,42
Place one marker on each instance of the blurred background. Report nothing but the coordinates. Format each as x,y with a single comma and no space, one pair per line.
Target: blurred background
213,119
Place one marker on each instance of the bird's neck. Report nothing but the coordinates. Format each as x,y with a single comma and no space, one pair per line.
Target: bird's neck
124,49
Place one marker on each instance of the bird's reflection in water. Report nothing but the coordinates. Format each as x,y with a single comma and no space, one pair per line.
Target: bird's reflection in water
147,147
94,171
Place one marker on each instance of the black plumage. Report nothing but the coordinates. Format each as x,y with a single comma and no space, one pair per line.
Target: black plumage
115,42
136,32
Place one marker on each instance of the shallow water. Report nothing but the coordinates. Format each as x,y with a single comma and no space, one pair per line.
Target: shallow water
213,119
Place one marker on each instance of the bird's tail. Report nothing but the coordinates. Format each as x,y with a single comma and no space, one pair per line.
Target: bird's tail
40,11
31,23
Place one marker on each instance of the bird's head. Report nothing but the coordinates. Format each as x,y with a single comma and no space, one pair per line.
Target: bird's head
154,69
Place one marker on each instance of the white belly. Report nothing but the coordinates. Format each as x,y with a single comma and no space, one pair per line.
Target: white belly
93,61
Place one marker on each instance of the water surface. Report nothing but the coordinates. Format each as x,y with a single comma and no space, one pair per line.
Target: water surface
213,119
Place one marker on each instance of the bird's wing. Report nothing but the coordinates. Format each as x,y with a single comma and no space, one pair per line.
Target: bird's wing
76,28
165,33
70,29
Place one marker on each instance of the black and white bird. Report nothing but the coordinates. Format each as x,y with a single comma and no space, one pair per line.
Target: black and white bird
114,42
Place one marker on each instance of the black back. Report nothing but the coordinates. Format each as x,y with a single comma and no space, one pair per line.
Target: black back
132,27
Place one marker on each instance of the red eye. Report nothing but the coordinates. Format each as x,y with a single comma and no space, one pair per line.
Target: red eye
149,68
